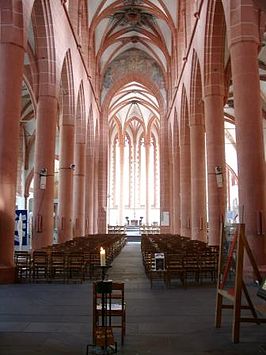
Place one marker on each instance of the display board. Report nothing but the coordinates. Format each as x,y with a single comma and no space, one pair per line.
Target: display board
159,262
21,228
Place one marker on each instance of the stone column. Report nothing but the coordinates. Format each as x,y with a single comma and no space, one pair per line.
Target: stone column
102,176
89,188
198,179
79,191
171,187
214,123
249,139
11,70
176,189
65,194
164,175
121,188
43,226
185,185
97,214
147,152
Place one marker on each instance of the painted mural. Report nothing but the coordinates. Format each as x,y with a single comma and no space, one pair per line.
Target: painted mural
133,60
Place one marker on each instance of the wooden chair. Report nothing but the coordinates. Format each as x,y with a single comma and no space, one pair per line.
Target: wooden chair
208,267
40,268
57,265
174,268
94,266
115,309
75,266
191,268
22,261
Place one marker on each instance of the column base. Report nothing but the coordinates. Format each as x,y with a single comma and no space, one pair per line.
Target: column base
7,274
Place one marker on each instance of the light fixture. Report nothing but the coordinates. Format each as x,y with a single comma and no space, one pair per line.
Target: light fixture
43,172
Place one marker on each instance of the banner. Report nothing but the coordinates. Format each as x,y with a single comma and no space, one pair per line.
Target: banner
21,226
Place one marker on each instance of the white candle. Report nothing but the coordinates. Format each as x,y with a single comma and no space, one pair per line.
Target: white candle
102,256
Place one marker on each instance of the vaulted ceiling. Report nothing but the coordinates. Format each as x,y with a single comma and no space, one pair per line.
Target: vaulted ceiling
132,36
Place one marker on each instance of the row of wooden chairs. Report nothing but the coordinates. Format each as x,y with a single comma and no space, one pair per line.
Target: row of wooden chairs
184,260
71,261
186,268
54,266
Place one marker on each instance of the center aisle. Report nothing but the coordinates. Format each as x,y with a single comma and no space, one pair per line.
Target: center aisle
163,321
127,267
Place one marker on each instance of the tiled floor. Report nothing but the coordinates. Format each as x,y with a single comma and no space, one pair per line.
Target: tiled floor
56,319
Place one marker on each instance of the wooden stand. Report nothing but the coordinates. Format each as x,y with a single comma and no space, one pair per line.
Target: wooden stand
104,342
232,262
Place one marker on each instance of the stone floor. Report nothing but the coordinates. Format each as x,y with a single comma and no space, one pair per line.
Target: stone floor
56,319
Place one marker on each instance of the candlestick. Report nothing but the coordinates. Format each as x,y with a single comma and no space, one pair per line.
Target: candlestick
102,257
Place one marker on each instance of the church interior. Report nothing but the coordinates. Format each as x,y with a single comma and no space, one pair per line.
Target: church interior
133,140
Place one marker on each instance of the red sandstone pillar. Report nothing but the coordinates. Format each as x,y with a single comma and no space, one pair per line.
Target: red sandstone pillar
185,186
171,188
102,177
121,188
97,220
11,69
147,152
65,193
214,123
250,148
89,187
198,180
44,159
79,191
176,185
164,178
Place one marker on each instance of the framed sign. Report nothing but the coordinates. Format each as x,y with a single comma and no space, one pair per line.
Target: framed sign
165,218
159,264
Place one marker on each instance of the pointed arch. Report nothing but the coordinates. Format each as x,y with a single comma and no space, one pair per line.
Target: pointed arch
90,136
134,77
184,121
80,122
185,169
214,54
78,12
196,99
43,29
67,90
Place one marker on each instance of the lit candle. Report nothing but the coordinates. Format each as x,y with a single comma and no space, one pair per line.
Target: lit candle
102,256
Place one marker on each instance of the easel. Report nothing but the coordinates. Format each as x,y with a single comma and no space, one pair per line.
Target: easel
104,339
235,254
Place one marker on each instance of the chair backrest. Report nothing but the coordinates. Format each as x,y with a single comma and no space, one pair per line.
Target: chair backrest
75,258
40,257
117,294
118,291
22,258
57,258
